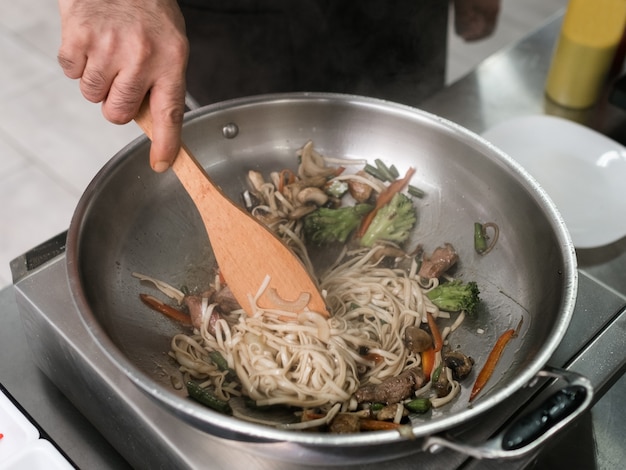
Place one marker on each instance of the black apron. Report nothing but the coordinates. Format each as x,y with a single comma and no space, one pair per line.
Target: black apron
394,50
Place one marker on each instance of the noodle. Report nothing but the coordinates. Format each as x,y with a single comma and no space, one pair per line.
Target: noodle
312,362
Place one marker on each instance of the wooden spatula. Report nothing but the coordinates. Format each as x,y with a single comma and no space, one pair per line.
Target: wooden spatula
246,251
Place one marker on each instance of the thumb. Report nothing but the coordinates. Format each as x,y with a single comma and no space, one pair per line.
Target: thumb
167,111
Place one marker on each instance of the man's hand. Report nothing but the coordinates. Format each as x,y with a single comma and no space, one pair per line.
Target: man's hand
475,19
121,50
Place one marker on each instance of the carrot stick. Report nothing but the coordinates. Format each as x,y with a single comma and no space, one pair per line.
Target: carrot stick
434,330
492,360
384,198
285,176
156,304
428,362
377,425
339,170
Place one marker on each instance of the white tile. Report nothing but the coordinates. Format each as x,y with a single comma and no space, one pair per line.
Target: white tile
34,209
62,131
17,15
36,23
10,157
22,67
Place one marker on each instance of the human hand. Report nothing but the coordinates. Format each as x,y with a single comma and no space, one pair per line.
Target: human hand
121,50
475,19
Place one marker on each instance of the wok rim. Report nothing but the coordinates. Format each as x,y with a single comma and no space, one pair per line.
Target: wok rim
209,420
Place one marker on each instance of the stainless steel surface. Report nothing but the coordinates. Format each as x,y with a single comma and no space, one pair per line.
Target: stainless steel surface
598,322
151,227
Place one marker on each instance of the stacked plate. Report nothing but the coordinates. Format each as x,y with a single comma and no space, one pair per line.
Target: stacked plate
21,445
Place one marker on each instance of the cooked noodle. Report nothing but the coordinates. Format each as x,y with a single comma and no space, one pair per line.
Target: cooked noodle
314,361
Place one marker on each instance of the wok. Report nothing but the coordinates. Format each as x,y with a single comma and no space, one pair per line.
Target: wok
131,219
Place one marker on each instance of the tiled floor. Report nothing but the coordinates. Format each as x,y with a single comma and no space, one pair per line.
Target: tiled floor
52,142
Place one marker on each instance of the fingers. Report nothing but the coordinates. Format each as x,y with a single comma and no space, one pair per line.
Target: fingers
72,64
475,19
167,107
123,97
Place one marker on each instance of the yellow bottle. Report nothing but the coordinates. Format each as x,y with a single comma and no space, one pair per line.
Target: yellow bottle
589,37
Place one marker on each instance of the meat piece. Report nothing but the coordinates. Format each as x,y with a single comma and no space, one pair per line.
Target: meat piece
345,423
392,390
361,192
194,304
226,301
442,259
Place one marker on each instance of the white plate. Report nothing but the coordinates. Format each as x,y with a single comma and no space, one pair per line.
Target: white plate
21,446
582,171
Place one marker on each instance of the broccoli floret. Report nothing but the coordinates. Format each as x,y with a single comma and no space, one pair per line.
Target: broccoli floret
455,296
392,222
337,188
329,225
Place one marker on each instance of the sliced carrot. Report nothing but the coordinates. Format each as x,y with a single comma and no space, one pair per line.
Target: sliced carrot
377,425
340,170
285,177
156,304
384,198
492,360
434,330
428,362
308,415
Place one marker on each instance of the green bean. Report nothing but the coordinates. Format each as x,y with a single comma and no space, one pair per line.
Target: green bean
384,170
480,239
419,405
205,397
415,191
221,363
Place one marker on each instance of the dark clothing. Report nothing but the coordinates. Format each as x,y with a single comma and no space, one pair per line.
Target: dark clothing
394,50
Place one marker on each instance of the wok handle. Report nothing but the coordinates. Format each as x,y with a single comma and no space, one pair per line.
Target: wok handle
532,429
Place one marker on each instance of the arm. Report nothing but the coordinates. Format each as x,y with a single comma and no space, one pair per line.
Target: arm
475,19
122,50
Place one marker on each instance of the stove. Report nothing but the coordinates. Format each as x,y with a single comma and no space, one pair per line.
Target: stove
148,436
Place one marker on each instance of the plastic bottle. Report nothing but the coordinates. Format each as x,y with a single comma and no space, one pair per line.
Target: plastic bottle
590,35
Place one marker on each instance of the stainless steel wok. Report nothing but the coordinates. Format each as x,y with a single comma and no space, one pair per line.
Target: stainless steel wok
132,219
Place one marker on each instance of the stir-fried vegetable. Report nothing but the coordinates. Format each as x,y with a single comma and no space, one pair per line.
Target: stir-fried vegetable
384,198
337,188
333,225
204,396
481,238
455,296
165,309
419,405
434,330
428,362
492,360
392,222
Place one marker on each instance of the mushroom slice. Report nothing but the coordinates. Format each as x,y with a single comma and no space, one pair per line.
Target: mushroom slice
312,195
